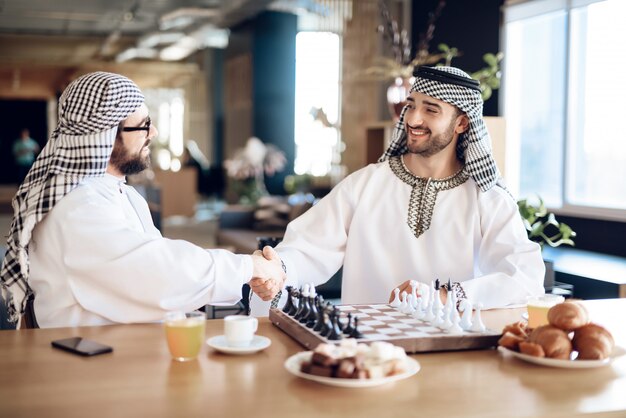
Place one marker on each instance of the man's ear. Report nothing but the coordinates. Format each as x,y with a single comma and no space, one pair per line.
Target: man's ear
462,124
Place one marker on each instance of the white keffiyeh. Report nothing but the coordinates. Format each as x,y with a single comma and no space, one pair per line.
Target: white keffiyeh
457,88
89,112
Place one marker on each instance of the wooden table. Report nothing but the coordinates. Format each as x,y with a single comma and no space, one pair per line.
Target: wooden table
138,379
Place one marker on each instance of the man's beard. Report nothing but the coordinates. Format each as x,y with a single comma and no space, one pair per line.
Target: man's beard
434,144
126,163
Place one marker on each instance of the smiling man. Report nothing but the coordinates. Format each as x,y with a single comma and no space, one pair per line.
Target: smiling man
432,208
83,242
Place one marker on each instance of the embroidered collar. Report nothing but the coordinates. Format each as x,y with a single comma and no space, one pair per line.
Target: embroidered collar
423,193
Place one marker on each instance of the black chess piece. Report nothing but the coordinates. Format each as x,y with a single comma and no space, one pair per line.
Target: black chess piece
355,332
301,306
348,328
326,323
289,304
319,324
306,309
295,293
313,314
437,284
340,324
335,332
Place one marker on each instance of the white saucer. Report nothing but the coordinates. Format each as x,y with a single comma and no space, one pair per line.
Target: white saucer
258,343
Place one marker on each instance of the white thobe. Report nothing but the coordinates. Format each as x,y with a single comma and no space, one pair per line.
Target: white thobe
96,258
475,238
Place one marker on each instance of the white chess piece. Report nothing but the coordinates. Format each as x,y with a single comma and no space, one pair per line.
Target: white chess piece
312,291
395,303
418,313
431,312
477,325
402,306
408,309
466,319
428,312
446,322
413,284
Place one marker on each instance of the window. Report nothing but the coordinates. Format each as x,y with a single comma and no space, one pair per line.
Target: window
563,104
317,103
167,108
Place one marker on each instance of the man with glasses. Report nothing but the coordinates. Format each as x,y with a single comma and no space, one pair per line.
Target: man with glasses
83,242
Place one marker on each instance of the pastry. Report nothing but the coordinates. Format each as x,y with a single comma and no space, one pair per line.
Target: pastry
517,328
511,341
554,341
593,342
532,349
568,316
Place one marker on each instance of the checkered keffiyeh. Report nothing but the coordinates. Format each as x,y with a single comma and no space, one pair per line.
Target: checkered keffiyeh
90,110
455,87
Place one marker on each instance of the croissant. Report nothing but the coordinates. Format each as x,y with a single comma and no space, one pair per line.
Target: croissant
511,341
593,342
532,349
568,316
554,341
517,328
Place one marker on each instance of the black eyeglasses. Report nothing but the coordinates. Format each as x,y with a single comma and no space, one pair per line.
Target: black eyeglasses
146,127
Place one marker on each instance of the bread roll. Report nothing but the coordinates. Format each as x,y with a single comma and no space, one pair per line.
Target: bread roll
593,342
568,316
554,341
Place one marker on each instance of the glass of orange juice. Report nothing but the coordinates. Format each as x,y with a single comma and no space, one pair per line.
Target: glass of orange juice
538,308
185,334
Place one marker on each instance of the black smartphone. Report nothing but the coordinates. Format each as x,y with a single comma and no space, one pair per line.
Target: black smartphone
81,346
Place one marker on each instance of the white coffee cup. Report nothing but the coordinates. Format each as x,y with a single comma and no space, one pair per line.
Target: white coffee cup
239,330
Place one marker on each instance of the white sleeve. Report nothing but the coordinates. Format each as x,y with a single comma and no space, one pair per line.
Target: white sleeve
509,268
314,244
128,276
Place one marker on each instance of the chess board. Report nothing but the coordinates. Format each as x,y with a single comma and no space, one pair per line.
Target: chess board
384,323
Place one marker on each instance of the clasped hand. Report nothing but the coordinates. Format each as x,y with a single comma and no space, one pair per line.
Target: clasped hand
268,275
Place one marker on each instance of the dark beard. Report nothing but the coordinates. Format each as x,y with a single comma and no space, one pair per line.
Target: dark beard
127,164
133,166
435,143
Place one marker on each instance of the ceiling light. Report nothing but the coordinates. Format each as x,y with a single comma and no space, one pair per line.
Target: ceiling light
132,53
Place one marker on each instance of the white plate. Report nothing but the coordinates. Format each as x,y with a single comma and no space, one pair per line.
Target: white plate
567,364
293,366
258,343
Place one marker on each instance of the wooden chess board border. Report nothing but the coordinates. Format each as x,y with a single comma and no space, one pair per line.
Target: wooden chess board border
444,342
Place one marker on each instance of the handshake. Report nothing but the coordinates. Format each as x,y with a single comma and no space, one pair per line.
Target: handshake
268,276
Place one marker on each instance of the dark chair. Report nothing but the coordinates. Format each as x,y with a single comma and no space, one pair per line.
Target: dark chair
29,321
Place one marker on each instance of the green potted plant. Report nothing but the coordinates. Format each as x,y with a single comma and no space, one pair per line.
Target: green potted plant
543,228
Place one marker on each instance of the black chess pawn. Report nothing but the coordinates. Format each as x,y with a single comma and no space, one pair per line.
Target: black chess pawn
339,321
335,332
437,284
289,304
348,328
326,323
355,332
